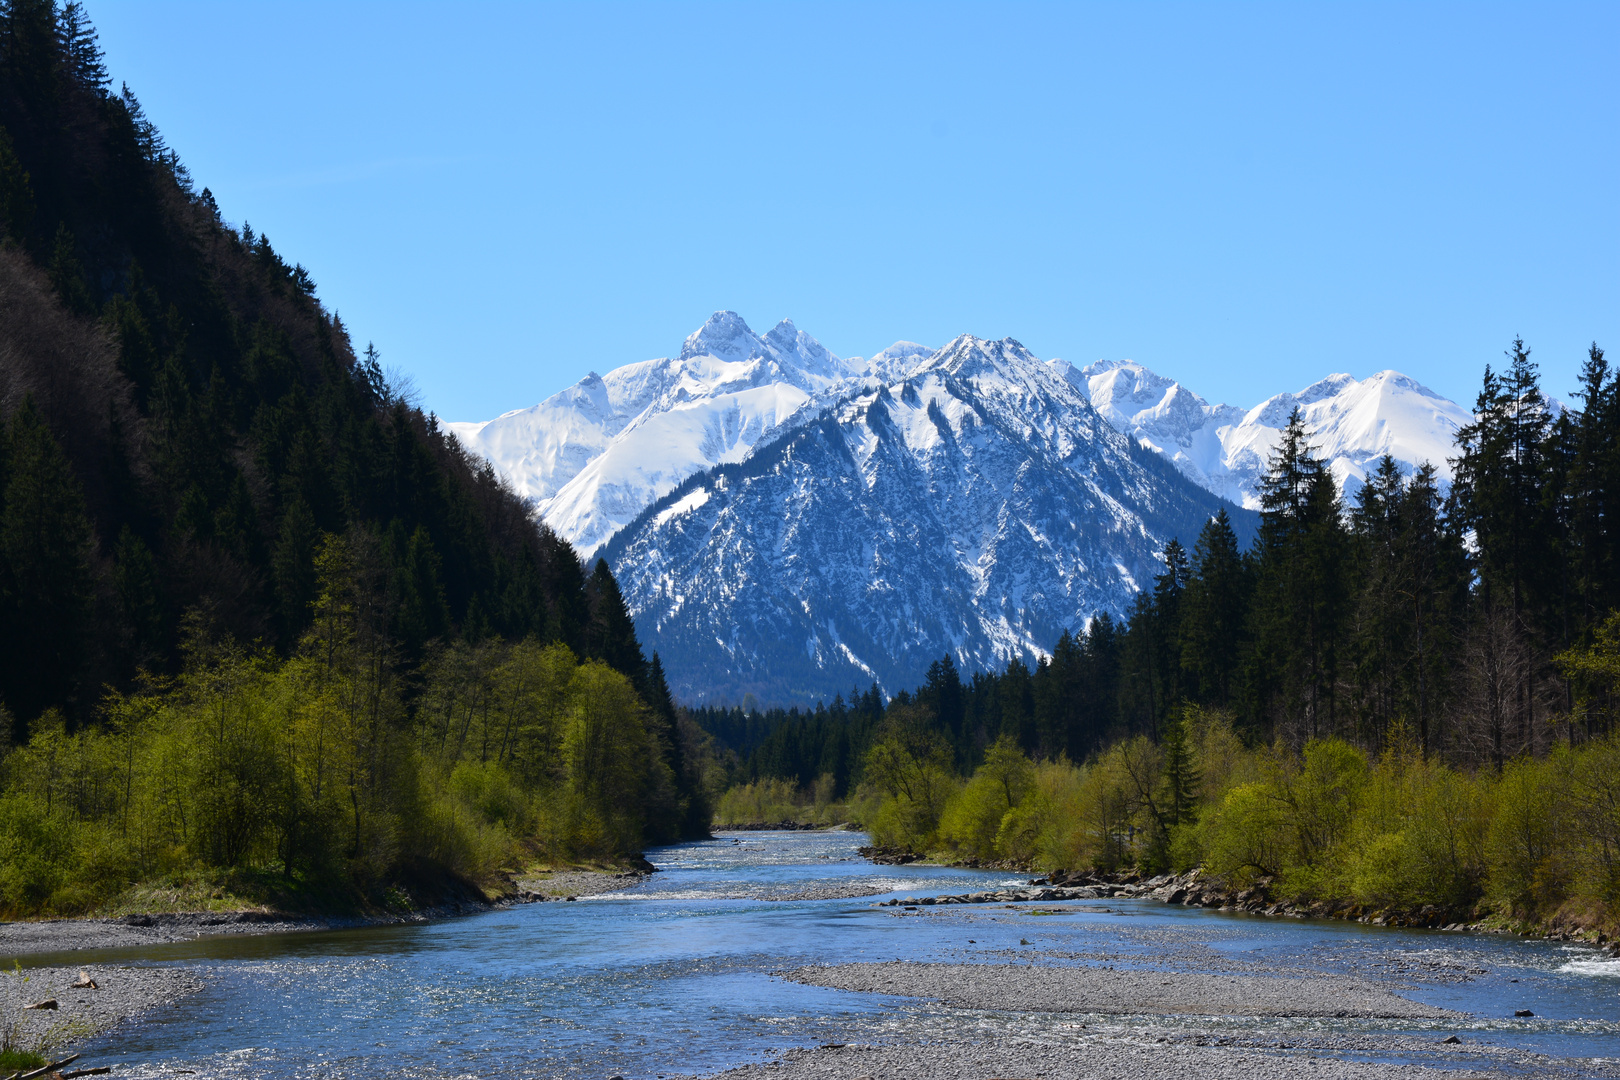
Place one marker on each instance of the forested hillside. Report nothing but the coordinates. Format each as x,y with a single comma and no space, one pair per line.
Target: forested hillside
1409,701
187,436
1462,616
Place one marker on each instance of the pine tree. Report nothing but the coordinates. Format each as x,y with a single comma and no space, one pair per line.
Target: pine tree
67,274
1300,597
1594,491
16,192
1381,616
81,49
422,614
45,543
1498,493
1215,613
1168,590
135,580
611,636
1181,778
943,692
1432,584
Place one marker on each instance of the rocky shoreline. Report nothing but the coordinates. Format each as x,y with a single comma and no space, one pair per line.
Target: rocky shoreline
1195,889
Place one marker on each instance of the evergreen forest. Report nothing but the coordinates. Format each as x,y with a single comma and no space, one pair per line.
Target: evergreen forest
1407,700
261,621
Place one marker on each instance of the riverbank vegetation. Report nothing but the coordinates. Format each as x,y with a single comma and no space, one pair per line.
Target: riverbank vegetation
335,775
1406,701
265,629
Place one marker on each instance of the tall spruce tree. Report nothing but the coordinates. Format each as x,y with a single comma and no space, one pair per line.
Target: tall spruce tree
1300,600
1215,613
1500,472
1168,589
611,634
1594,493
45,551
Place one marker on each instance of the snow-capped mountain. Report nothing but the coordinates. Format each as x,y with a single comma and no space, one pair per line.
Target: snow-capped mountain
787,523
595,455
1353,423
968,501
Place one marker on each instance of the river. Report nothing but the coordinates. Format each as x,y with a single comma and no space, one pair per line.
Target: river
675,975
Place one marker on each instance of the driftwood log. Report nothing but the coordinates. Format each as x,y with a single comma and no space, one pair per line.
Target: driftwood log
43,1069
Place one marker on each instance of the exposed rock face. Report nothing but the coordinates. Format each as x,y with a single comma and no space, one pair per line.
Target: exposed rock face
977,506
595,455
789,524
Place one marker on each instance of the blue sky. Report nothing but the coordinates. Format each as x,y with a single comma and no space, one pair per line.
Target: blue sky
1245,197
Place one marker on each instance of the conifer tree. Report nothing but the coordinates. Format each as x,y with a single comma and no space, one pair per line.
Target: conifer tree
1498,492
1594,492
80,48
67,274
611,636
1168,589
943,691
1380,615
1215,612
1432,584
135,580
1301,589
45,545
1181,776
16,192
423,614
292,566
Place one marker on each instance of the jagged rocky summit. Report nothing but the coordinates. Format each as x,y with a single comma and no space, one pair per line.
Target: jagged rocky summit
972,504
787,524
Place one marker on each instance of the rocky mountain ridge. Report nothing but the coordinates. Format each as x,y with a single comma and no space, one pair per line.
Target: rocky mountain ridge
595,455
976,506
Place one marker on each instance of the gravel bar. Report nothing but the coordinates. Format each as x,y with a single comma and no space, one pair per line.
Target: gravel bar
136,931
121,993
981,1061
1031,988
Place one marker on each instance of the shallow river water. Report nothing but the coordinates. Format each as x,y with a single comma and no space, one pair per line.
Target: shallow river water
675,976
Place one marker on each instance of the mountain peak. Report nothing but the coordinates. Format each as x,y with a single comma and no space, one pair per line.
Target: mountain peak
802,351
725,336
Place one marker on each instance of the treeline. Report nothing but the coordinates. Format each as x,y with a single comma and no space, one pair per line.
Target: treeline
1405,702
335,776
1459,613
184,429
1537,844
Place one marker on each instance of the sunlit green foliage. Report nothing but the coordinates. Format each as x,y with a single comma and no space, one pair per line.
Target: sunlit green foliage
1322,823
313,771
770,802
911,765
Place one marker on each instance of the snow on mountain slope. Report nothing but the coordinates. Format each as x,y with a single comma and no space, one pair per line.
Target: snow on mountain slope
1352,422
593,456
975,504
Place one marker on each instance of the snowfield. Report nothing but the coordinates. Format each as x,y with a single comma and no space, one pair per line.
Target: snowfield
787,523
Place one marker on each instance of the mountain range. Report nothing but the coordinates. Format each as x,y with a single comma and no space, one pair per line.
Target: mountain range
786,523
1353,424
